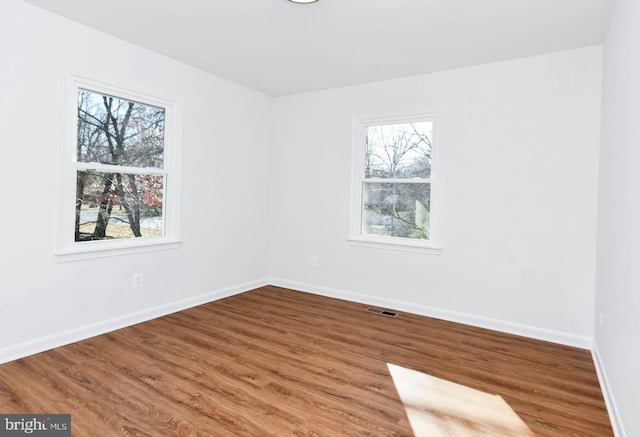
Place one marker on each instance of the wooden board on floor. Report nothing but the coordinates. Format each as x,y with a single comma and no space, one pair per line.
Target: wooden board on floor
277,362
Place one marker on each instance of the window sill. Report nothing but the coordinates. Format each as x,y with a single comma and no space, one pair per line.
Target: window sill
398,244
85,251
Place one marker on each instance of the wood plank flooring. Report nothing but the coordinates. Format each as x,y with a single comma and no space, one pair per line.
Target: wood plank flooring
277,362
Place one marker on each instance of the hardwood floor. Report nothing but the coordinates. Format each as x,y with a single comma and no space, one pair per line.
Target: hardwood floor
276,362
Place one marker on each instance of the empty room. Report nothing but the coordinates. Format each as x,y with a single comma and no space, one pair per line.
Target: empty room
320,218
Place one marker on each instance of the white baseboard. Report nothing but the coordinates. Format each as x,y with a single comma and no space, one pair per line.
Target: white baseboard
438,313
31,347
612,408
42,344
63,338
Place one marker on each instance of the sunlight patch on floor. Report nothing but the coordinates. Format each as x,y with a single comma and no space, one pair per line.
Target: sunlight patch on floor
436,407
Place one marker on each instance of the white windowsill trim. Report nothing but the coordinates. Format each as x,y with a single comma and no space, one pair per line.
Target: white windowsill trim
84,253
396,244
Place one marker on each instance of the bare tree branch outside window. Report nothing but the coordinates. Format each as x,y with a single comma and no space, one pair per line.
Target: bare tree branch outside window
123,196
396,191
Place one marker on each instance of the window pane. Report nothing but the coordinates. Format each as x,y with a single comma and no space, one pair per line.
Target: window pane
116,131
118,205
398,150
396,210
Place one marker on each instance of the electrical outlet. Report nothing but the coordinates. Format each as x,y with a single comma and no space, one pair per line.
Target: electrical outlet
314,261
601,319
137,280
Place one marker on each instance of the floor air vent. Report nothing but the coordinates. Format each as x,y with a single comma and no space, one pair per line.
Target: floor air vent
381,312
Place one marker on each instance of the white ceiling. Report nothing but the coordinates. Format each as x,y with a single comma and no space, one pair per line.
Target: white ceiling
281,48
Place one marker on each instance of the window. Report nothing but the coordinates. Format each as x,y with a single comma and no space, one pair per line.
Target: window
118,174
393,183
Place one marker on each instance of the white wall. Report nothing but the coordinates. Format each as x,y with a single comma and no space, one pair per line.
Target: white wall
618,247
518,154
518,161
224,196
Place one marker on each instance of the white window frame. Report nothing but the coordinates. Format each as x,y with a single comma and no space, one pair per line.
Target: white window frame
67,249
356,237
